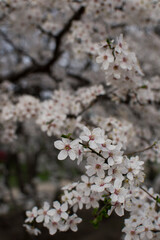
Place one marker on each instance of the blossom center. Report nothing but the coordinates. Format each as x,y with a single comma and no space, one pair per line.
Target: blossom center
98,166
44,212
124,59
116,191
54,223
111,154
115,67
59,211
67,147
102,184
79,152
91,137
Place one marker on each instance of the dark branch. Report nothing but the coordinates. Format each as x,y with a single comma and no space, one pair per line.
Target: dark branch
82,81
45,68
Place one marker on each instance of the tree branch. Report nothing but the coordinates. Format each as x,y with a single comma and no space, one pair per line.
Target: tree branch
45,68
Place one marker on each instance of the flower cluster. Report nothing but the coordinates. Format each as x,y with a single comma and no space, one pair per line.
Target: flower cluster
120,65
144,221
53,219
110,175
27,107
63,106
125,11
116,130
51,115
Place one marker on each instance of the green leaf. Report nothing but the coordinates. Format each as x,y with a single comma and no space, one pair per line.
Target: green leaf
144,86
66,136
95,210
157,199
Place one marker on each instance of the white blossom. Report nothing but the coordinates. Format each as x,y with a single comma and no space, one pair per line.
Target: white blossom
43,214
67,148
96,165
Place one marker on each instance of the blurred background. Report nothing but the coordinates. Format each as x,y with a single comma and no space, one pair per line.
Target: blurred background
46,51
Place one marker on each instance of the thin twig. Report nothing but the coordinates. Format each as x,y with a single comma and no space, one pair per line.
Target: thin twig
148,194
142,150
92,150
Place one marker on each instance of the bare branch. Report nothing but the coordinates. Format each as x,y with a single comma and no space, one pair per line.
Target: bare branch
45,68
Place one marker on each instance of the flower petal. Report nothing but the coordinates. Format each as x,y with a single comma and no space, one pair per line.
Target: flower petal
59,145
62,155
64,207
39,219
72,155
64,215
56,205
51,212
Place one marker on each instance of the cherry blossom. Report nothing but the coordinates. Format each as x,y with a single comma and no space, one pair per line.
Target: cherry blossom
31,215
43,214
118,193
67,197
93,200
59,211
67,148
92,137
78,200
86,184
101,184
73,221
105,58
32,230
54,226
133,166
145,230
96,166
114,156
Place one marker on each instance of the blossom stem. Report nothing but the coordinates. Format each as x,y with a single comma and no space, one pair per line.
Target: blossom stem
86,146
155,230
92,150
101,210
